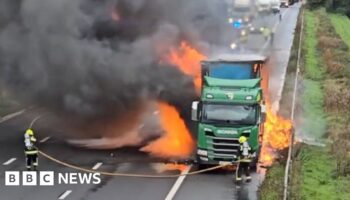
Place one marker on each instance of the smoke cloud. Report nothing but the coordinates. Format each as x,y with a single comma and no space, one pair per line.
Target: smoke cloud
96,60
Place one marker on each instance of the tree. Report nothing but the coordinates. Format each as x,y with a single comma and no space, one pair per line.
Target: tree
339,6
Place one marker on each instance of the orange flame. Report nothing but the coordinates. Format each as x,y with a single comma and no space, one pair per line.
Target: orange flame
276,136
177,141
187,59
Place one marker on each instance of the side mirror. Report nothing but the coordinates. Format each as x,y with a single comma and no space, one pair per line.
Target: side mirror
194,111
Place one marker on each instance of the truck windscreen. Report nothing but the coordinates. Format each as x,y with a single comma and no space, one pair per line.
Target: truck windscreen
229,114
233,71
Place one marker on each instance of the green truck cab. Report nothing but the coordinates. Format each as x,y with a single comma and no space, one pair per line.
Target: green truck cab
231,105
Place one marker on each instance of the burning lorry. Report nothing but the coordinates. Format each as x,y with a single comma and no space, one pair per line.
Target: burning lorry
231,105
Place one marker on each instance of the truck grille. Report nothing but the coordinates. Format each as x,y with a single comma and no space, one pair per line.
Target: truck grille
222,147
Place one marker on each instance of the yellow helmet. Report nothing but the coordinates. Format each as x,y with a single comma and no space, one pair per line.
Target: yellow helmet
29,132
242,139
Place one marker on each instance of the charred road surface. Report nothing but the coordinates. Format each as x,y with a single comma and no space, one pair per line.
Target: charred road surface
212,185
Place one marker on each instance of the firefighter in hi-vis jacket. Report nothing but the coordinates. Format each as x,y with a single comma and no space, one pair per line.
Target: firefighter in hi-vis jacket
30,150
244,160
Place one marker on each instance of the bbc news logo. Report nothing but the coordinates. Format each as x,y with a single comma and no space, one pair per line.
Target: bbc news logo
49,178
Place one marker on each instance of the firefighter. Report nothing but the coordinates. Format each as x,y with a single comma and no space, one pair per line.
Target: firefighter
244,160
30,150
266,33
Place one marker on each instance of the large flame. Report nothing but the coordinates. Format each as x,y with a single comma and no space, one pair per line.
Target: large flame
187,59
276,136
176,141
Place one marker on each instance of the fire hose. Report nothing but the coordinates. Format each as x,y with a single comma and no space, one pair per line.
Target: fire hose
130,174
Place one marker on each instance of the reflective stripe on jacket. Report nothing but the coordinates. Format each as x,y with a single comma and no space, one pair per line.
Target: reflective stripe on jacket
31,152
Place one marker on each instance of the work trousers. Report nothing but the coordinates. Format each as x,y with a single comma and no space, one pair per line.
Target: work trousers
242,167
32,160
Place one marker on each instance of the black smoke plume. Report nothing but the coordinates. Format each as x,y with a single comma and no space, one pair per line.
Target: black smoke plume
96,60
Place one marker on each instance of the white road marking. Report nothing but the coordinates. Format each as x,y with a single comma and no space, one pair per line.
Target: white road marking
44,139
12,115
9,161
98,165
65,194
177,184
36,119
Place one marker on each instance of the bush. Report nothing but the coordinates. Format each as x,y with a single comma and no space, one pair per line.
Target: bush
314,4
328,42
337,98
338,6
341,149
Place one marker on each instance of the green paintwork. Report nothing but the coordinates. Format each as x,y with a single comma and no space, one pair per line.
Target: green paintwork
232,95
221,141
205,142
217,82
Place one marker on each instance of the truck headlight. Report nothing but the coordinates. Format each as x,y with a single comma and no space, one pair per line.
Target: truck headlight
249,97
233,45
246,131
209,96
208,129
202,152
230,20
246,19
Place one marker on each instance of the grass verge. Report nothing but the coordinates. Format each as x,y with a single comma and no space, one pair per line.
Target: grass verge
271,188
341,24
318,172
317,178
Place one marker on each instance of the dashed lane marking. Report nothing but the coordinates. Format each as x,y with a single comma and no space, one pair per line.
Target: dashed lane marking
98,165
64,195
12,115
177,184
44,139
9,161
